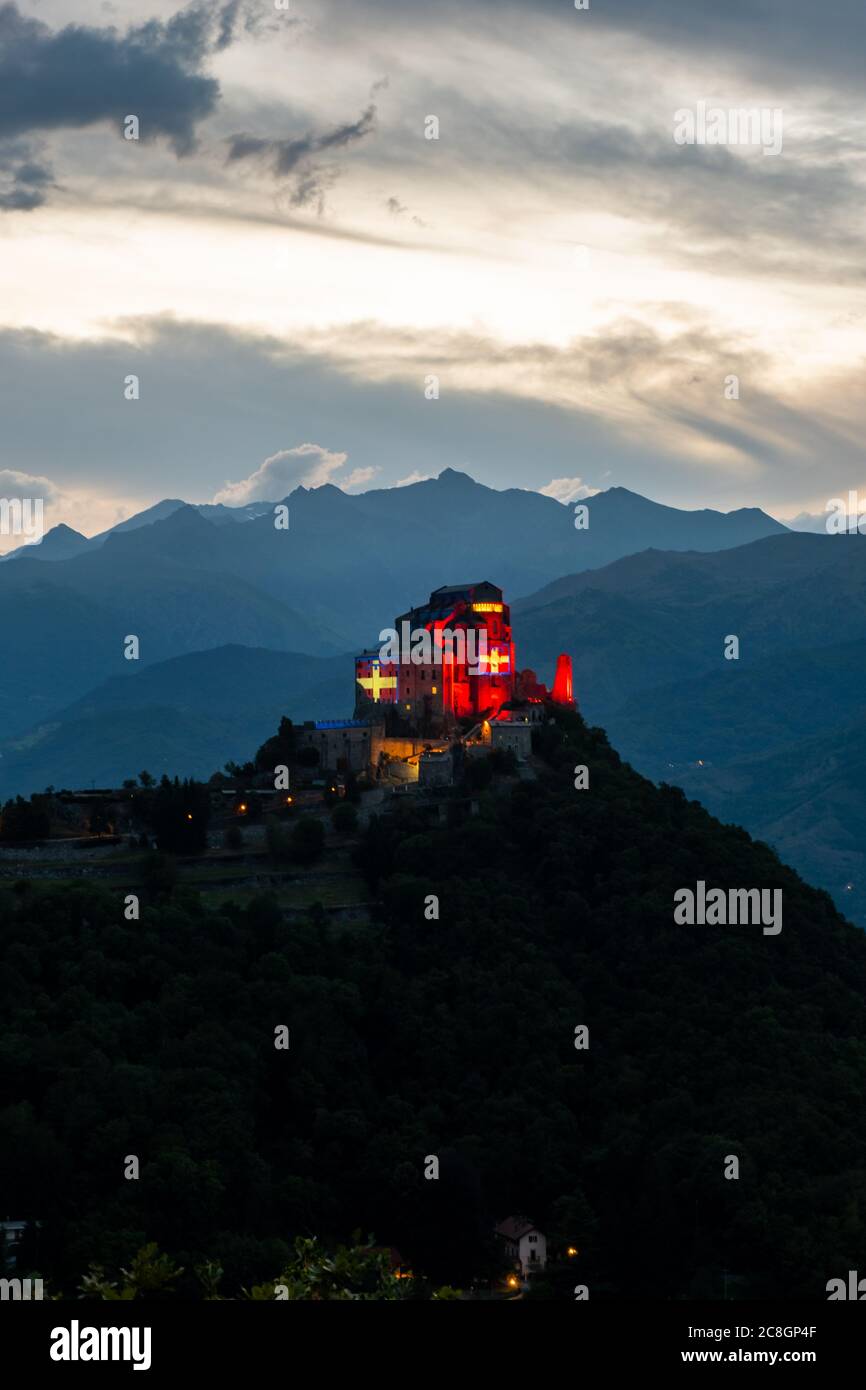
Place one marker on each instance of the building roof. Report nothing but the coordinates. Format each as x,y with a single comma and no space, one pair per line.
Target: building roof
465,588
341,723
513,1227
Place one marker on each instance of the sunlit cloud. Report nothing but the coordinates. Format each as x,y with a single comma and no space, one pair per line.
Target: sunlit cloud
567,489
306,465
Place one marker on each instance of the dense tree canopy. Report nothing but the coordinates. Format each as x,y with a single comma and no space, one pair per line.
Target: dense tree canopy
24,820
452,1037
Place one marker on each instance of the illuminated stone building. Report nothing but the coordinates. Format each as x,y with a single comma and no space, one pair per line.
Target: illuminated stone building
450,659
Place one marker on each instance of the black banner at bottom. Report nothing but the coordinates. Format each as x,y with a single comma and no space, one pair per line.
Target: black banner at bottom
163,1339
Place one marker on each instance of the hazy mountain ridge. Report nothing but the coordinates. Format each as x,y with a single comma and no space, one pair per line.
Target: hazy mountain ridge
182,581
186,717
647,635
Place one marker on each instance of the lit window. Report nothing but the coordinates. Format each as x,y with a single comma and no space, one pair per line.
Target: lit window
435,690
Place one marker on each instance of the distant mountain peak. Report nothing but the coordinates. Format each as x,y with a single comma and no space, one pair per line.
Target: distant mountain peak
452,478
60,543
184,517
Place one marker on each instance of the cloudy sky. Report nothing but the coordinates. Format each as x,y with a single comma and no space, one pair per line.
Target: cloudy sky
284,260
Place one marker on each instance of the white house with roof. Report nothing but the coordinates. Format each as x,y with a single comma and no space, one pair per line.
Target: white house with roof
523,1243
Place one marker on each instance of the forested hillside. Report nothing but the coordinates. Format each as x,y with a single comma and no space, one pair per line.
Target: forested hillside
453,1037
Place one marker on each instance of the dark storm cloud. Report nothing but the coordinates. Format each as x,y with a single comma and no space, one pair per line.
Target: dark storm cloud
79,75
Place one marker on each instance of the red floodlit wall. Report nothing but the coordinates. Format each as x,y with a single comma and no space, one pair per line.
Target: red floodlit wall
563,692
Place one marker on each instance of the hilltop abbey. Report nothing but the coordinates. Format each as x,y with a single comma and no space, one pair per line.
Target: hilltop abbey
444,675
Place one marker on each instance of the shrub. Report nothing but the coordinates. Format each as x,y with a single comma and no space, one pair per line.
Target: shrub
344,817
308,839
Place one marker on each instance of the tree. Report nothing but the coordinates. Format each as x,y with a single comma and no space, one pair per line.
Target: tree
180,815
344,817
356,1272
98,820
479,773
278,750
159,874
25,820
150,1275
308,839
278,841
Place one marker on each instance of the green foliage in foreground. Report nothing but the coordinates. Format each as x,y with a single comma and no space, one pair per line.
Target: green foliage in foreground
354,1273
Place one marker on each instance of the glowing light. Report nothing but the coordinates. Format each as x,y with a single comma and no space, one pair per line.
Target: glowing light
242,808
189,815
487,608
571,1251
512,1281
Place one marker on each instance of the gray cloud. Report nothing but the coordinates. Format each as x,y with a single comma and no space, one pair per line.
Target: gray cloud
24,179
14,483
300,155
398,209
775,35
80,75
285,156
221,401
809,196
758,36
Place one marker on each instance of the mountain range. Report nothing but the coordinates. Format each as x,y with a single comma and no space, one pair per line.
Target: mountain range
182,579
239,623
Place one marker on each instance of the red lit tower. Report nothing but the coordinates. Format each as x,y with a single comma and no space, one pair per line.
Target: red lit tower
562,693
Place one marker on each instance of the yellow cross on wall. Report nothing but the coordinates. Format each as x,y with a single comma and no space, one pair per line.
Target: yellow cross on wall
495,659
377,683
